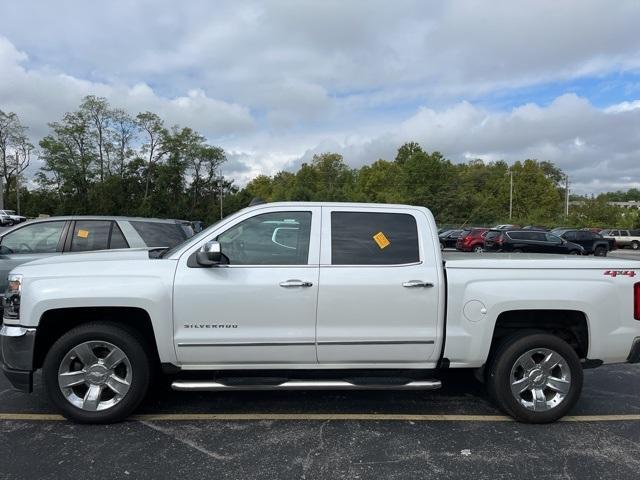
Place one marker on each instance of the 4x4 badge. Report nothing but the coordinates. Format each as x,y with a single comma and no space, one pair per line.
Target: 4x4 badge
615,273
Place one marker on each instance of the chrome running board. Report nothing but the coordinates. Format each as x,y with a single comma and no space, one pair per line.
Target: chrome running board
204,385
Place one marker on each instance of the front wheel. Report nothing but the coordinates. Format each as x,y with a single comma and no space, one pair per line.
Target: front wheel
98,372
635,245
478,249
535,377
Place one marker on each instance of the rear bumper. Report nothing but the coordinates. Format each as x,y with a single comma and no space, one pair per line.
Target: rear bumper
17,347
634,354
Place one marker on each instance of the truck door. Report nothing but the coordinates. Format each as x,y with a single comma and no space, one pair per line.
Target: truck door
261,307
380,283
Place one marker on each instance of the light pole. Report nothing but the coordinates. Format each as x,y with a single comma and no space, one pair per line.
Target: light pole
566,192
220,186
510,193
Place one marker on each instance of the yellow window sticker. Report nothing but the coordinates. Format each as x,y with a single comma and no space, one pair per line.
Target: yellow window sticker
83,233
381,239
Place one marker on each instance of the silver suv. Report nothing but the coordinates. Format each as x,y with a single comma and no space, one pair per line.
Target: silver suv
62,235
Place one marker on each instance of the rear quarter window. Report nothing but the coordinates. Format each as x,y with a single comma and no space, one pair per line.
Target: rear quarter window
363,238
159,234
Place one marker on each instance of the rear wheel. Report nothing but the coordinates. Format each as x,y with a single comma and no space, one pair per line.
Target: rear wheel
97,373
535,377
574,252
517,250
478,249
600,252
635,245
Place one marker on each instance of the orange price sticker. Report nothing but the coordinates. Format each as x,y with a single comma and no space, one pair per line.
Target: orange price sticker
382,240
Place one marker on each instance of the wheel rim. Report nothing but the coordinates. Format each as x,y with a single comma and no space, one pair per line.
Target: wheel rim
478,249
540,379
95,376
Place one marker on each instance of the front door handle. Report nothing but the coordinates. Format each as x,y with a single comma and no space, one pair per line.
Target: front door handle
417,284
295,283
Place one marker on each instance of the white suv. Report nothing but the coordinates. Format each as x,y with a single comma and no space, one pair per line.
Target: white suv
9,217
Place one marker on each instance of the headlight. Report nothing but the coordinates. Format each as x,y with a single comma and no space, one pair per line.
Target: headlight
12,297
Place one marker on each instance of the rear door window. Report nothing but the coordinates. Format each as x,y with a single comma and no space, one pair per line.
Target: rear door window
89,235
584,236
363,238
159,234
519,235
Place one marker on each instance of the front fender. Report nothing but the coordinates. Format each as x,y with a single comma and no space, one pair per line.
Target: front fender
149,293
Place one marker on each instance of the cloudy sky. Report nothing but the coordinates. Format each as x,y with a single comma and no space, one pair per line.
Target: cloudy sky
274,82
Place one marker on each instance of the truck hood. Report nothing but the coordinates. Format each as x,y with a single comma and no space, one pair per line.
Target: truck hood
536,261
125,254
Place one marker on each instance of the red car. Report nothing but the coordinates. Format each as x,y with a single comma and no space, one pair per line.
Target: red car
472,240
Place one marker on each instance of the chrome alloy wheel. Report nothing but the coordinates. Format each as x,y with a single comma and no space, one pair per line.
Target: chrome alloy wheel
95,375
540,379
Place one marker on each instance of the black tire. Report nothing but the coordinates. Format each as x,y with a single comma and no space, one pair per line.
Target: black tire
600,252
503,361
127,340
478,249
10,223
574,252
635,245
517,250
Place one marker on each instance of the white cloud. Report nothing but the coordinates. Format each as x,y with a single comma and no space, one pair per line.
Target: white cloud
40,96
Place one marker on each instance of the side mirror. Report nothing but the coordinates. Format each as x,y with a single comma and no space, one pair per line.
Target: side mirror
210,254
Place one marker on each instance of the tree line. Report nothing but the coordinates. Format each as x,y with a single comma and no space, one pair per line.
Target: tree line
103,160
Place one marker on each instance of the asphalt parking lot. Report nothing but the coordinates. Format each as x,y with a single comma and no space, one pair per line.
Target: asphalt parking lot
454,432
451,433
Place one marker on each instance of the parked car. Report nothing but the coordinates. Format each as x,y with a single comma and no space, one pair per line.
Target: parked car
50,236
472,240
531,241
9,217
593,243
449,238
624,238
362,285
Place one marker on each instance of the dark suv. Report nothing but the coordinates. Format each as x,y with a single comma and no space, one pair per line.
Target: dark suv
449,238
593,243
531,241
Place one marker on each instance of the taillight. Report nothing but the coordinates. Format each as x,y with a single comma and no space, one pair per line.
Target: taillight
636,301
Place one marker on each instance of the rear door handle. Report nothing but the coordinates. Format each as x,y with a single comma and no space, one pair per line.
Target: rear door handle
417,284
295,283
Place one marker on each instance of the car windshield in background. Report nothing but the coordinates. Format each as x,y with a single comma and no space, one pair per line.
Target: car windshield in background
160,234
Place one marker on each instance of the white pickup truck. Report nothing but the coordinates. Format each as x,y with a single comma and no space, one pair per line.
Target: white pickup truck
316,296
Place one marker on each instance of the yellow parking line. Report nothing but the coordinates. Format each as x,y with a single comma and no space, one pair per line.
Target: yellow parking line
182,417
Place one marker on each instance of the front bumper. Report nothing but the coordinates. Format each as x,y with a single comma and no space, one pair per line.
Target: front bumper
634,354
17,347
